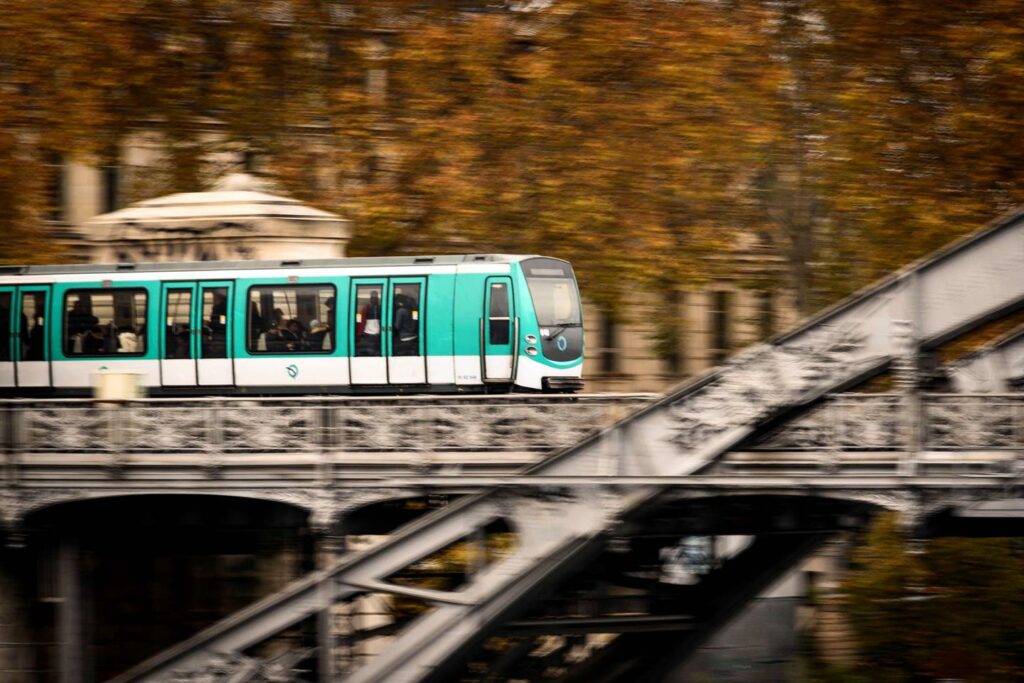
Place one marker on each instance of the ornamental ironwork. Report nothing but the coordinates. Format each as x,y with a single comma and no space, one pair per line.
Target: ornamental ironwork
254,426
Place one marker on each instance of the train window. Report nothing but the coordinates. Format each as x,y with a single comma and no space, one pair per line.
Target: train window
367,327
32,332
291,319
553,290
5,327
178,326
99,322
498,314
405,339
215,323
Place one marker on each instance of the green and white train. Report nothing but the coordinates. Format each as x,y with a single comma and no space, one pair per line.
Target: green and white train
364,325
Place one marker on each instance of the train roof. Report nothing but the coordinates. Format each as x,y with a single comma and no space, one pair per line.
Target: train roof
189,266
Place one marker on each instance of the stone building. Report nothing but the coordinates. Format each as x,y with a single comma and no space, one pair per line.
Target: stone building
237,220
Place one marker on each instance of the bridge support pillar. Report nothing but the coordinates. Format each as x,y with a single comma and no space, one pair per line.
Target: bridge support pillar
329,546
70,643
19,661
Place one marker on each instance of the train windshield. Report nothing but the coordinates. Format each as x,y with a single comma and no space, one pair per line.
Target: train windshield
553,289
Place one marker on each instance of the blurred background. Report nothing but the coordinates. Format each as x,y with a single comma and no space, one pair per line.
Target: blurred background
714,170
795,147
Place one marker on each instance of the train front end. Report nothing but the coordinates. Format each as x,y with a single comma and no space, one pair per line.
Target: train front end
550,354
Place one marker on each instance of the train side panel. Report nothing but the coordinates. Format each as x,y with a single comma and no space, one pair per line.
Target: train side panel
438,323
78,353
259,363
469,308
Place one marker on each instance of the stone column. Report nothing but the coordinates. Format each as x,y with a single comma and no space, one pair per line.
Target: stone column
17,658
69,612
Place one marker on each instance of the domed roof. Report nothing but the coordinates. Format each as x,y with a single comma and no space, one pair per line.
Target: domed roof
237,196
241,182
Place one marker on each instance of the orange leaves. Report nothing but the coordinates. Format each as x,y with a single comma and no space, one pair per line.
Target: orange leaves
635,137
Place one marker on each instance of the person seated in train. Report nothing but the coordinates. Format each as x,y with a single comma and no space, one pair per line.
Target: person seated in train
294,335
277,320
285,338
272,338
316,336
94,341
128,340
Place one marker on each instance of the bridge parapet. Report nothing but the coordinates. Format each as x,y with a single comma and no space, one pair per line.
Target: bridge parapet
327,455
892,433
885,422
310,425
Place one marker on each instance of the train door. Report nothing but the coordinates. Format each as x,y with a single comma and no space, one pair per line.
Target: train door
31,345
368,365
179,337
7,332
212,318
498,331
405,338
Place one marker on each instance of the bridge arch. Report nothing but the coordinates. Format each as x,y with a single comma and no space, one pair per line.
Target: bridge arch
717,512
922,512
175,562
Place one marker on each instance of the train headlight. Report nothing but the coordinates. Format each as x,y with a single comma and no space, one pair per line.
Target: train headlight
531,351
530,339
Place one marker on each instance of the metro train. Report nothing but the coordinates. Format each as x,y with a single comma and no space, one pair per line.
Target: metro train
468,323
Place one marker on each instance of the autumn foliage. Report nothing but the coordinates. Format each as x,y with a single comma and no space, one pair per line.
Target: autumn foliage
947,609
637,138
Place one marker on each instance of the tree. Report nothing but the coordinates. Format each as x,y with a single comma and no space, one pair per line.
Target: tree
637,138
953,609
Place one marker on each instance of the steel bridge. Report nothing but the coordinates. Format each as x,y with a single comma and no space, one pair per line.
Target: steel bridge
780,438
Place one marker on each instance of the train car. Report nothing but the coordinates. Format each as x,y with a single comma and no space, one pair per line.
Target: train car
477,323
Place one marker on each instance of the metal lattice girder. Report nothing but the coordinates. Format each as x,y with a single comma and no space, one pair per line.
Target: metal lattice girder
932,301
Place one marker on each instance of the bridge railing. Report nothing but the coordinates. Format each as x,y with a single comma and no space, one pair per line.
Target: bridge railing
980,422
309,426
896,422
842,422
